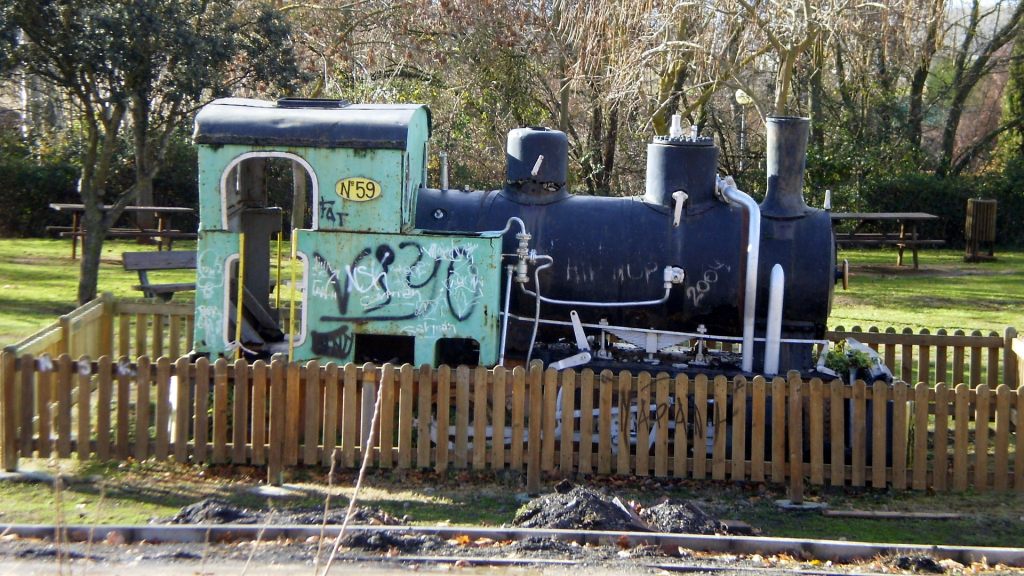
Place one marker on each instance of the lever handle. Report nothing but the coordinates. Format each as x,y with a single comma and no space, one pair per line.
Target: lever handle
680,198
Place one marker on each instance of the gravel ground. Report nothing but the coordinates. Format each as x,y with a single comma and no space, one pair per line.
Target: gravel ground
425,554
392,551
380,550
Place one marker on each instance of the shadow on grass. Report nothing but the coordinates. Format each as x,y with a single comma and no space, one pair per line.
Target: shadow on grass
20,307
967,531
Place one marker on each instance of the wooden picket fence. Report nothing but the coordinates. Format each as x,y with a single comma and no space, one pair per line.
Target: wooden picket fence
279,414
107,326
956,357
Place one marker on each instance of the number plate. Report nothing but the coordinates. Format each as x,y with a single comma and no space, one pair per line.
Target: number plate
358,189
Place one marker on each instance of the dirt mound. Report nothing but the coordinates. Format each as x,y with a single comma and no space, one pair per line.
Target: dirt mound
680,518
580,508
215,511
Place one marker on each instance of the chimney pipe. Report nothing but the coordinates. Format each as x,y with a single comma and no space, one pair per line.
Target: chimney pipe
787,155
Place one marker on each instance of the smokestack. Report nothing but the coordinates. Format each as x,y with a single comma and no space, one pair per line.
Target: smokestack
787,155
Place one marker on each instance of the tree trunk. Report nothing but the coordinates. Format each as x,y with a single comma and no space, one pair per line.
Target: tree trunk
140,111
784,82
563,99
144,197
843,85
92,248
592,165
817,93
611,138
1015,91
670,85
915,115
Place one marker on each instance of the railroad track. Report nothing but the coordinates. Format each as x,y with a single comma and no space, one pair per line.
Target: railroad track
824,550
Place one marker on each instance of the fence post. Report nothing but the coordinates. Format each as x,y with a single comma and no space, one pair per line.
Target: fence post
796,440
107,325
1011,365
8,425
275,454
64,347
535,419
368,390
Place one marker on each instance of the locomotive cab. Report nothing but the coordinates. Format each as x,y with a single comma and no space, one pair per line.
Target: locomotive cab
363,283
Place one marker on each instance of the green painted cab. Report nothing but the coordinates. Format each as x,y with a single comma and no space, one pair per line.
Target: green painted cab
340,181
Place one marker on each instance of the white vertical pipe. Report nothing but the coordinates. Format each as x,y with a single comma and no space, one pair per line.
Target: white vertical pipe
509,271
733,194
773,332
444,170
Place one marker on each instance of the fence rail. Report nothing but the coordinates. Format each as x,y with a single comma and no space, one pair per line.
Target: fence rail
930,435
957,357
115,328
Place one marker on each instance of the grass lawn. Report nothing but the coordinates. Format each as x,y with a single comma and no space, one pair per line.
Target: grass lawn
945,292
39,281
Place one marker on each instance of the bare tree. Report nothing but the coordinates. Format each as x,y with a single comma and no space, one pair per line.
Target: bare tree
974,59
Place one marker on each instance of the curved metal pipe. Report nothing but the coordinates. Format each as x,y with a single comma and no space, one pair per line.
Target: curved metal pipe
508,226
546,300
728,188
536,309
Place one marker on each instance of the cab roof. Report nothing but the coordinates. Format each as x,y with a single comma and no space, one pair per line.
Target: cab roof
310,123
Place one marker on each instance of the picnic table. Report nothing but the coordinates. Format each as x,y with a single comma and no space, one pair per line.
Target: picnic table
899,229
162,214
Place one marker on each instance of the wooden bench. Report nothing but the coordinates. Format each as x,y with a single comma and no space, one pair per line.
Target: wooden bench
143,262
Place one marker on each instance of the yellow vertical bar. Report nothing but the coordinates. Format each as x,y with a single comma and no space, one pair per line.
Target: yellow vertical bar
277,284
291,310
241,295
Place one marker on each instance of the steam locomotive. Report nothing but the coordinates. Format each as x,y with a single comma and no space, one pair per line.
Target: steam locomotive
386,268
